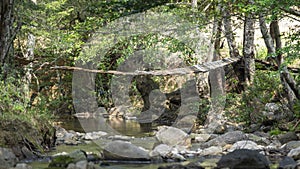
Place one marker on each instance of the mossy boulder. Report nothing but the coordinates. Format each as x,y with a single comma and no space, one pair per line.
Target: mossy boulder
20,135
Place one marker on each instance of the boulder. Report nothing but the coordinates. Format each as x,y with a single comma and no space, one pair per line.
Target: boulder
213,150
294,153
7,158
63,160
173,136
162,149
244,159
245,144
291,145
277,112
125,151
201,138
286,137
259,139
287,163
227,138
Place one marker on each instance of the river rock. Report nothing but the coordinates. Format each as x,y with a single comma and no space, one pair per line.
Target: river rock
259,139
213,150
245,144
291,145
125,151
94,135
201,138
162,149
173,136
7,158
287,163
227,138
78,155
120,137
63,160
81,164
294,153
23,166
289,136
277,112
243,158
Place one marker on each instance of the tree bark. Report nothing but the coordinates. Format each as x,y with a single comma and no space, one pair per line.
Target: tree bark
234,52
290,86
238,67
194,3
6,25
266,35
248,47
216,81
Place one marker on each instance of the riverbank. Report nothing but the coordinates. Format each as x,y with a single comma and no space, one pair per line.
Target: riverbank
169,146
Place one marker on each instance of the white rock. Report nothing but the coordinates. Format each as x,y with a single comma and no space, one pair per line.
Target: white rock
213,150
172,136
23,166
201,138
245,144
163,150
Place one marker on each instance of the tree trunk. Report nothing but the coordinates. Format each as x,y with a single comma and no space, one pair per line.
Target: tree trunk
28,70
248,47
290,86
216,81
6,24
238,67
266,35
194,3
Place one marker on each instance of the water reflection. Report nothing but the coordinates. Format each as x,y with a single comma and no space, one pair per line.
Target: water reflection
122,126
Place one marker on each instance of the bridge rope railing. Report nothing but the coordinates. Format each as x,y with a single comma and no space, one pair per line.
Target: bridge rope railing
199,68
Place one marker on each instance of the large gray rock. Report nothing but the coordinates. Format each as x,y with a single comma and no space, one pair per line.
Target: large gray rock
124,151
291,145
7,158
245,144
227,138
213,150
201,138
294,153
173,136
63,160
162,149
286,137
287,163
259,139
244,159
274,111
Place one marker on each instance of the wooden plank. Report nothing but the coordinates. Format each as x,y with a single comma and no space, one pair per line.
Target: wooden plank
201,68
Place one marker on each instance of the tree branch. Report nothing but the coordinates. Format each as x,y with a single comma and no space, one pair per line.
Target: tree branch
291,11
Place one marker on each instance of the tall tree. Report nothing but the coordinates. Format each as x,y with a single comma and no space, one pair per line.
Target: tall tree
248,45
6,29
233,50
272,38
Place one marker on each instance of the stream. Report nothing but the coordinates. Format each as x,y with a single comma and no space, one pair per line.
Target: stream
124,127
203,152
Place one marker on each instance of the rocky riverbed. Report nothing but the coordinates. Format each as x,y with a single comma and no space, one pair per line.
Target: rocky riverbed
170,147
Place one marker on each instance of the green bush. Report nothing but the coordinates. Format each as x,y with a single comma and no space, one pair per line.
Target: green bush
247,106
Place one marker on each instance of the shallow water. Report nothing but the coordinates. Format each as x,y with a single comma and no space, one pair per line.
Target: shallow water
121,126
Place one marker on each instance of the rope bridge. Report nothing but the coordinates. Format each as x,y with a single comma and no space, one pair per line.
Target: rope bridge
200,68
